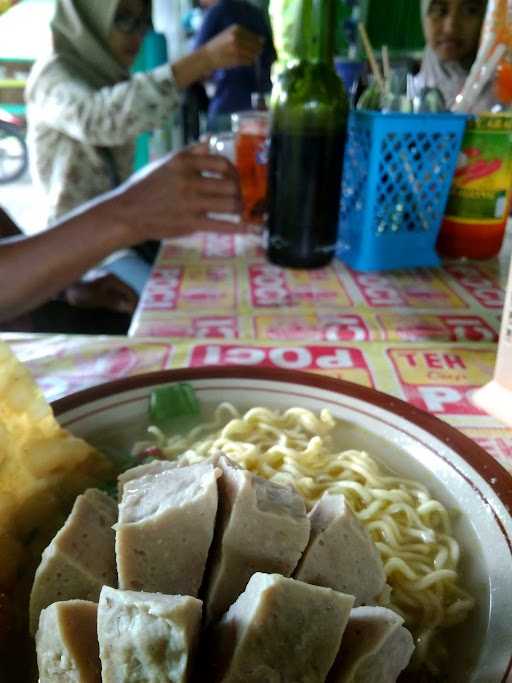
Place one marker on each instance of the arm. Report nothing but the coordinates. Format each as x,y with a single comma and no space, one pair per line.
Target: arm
212,24
106,117
233,46
226,39
220,43
40,266
169,199
114,115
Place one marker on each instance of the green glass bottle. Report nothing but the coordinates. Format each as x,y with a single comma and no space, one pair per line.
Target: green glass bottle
308,130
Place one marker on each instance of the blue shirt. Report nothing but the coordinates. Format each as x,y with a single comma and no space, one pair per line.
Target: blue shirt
234,86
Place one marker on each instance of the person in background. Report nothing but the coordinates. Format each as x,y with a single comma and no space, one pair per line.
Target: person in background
235,85
195,100
452,31
192,20
85,110
176,197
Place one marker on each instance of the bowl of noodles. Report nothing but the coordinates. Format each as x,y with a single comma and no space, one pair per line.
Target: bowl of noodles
436,505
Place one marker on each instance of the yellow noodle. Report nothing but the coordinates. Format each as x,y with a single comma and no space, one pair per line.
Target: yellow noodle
411,530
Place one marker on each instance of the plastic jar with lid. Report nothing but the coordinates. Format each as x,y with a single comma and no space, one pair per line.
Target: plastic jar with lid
480,197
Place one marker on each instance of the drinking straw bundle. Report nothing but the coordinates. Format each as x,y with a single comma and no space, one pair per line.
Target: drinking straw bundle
482,71
386,66
374,66
496,41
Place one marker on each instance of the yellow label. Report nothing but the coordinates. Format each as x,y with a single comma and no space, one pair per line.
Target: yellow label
458,367
483,178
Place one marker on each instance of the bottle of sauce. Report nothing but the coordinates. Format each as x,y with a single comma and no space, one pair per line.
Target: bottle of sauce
480,197
309,120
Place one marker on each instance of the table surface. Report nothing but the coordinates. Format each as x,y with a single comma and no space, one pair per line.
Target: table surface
426,336
213,286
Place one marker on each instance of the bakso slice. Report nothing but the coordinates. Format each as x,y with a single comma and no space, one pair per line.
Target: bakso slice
147,636
262,527
165,528
80,559
340,553
279,629
67,644
375,648
154,467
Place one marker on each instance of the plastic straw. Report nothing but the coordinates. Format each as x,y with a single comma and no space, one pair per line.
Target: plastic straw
386,65
465,103
483,55
371,56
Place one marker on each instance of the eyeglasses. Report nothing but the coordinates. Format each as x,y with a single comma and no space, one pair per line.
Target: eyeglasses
439,9
127,23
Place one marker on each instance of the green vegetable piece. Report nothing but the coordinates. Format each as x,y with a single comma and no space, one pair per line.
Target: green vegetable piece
110,488
170,402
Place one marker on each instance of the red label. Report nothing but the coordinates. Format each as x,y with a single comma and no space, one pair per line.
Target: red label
162,289
324,327
444,400
268,287
407,289
378,290
486,291
469,328
293,358
442,380
272,286
211,327
422,326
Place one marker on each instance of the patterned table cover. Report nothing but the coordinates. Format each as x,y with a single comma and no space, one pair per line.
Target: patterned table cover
435,376
221,287
426,336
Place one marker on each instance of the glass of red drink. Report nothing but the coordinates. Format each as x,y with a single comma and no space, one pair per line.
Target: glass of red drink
251,131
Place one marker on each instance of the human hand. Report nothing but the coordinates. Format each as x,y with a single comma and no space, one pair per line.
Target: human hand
235,46
176,196
102,290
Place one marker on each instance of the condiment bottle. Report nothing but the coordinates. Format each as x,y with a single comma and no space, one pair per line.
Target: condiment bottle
480,197
309,119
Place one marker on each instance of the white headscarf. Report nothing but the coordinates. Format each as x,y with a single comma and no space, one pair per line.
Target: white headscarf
449,77
80,30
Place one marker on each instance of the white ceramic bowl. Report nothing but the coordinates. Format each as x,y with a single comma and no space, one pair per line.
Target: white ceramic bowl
409,441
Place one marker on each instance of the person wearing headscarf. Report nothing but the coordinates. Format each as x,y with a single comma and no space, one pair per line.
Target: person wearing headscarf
452,32
85,109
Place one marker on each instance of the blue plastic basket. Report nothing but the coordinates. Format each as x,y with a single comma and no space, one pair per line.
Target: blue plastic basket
397,174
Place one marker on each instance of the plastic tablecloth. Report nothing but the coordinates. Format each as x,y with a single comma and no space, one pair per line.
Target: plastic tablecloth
221,287
425,336
435,376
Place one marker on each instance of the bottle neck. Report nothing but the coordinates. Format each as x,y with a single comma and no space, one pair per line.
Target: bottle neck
314,31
